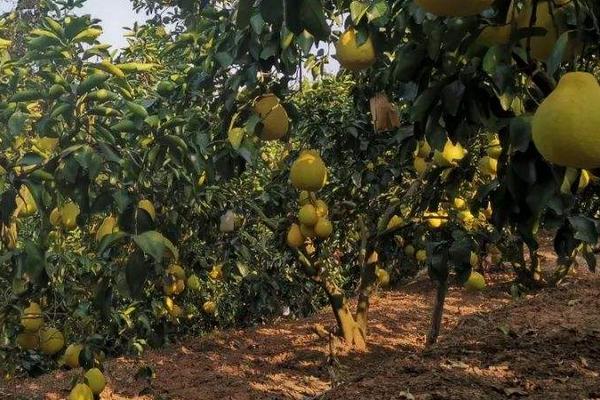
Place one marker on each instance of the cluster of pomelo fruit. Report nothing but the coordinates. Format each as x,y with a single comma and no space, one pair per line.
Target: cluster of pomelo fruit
309,174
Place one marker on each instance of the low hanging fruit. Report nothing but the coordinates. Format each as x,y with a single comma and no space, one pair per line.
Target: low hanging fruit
294,237
488,166
421,255
108,226
308,172
566,126
28,340
455,8
51,341
31,318
71,357
541,46
450,155
68,215
25,202
81,391
275,119
308,215
209,307
475,282
494,149
420,166
353,56
95,380
323,228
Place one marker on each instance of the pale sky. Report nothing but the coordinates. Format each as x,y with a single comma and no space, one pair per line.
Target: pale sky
113,21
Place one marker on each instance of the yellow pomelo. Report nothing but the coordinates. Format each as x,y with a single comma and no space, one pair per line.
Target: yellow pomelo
488,166
541,46
323,228
108,226
395,222
175,311
193,282
566,126
421,255
31,318
25,202
28,340
383,277
71,357
51,341
176,270
55,219
435,220
308,215
494,149
420,166
149,207
459,203
209,307
475,282
95,380
274,117
474,260
235,137
68,215
352,56
466,216
81,391
450,156
409,250
179,286
495,35
455,8
216,272
322,209
308,172
308,231
295,238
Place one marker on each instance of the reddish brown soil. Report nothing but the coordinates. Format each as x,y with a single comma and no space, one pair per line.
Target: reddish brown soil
545,346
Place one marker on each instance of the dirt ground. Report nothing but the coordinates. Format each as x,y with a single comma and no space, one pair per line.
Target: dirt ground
544,346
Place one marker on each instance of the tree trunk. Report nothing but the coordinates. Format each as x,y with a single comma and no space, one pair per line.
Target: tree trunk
438,312
347,326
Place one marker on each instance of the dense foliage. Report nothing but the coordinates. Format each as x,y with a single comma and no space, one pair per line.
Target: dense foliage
165,141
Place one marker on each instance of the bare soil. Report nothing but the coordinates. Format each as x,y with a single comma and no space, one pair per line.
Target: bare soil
544,346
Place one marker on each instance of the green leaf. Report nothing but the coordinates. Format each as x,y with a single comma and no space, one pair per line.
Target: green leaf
520,133
110,240
258,23
358,9
585,229
242,16
155,244
377,11
558,54
16,123
314,20
224,58
272,11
